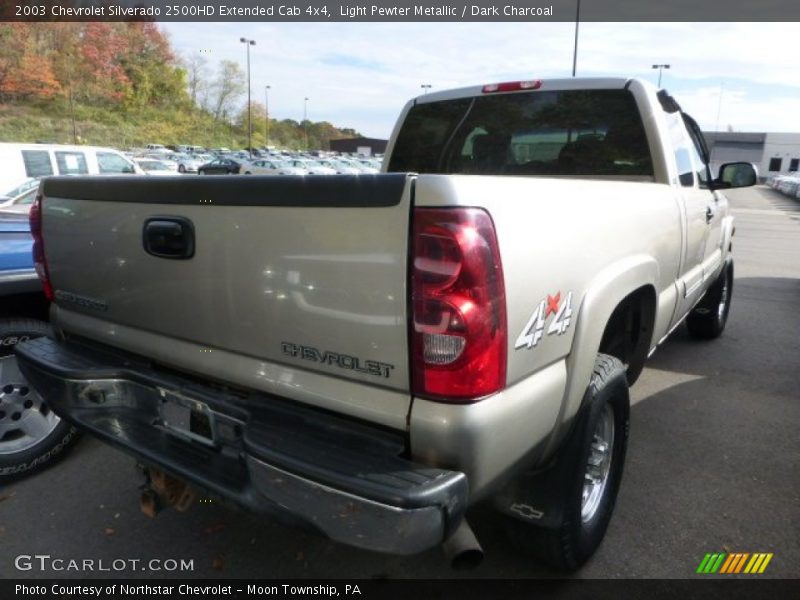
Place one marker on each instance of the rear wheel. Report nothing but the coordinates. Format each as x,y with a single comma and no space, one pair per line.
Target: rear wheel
708,319
181,169
586,476
31,435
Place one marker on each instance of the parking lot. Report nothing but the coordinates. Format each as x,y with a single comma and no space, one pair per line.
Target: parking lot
713,464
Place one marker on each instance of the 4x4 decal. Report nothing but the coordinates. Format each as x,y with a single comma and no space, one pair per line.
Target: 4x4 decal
535,328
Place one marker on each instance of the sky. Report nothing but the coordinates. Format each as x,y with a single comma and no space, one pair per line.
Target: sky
360,75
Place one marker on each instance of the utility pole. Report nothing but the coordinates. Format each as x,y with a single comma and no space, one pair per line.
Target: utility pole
575,49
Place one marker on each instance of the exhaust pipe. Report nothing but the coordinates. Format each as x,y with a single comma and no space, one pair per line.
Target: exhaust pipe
462,549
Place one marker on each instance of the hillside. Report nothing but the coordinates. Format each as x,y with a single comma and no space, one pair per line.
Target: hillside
122,85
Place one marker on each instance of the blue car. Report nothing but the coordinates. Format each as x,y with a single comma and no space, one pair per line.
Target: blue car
31,435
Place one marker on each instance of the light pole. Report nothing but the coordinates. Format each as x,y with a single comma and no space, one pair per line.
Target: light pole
248,43
660,68
575,49
426,87
305,122
267,88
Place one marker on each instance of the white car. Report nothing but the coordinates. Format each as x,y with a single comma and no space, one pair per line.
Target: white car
311,166
271,166
357,164
152,166
187,163
341,168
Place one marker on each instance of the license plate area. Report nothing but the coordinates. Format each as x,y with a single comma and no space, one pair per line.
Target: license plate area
187,417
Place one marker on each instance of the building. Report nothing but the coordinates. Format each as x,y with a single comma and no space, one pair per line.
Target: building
360,145
772,153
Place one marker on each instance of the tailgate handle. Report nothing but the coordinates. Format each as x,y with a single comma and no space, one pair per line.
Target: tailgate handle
169,237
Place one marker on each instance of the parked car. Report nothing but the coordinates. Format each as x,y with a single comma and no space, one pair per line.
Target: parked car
187,163
220,166
20,204
21,188
151,166
340,167
312,167
31,434
265,166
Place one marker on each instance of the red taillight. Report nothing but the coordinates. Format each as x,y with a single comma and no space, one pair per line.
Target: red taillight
512,86
459,305
39,261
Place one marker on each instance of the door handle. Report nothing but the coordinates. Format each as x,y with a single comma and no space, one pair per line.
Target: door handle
709,214
169,237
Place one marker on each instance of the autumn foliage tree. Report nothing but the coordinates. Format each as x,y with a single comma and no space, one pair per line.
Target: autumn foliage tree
121,65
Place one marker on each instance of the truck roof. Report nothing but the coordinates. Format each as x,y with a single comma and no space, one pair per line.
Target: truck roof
571,83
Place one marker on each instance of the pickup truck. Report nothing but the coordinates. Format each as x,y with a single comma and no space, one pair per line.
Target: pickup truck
372,355
31,435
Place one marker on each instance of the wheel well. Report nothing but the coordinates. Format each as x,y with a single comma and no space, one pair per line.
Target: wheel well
629,331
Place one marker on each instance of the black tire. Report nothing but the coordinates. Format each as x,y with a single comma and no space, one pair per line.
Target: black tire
707,320
571,540
31,435
181,169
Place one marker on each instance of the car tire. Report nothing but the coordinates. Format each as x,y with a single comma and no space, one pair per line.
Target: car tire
31,435
707,320
181,169
585,478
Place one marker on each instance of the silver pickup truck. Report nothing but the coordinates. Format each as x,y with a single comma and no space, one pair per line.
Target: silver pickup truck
374,354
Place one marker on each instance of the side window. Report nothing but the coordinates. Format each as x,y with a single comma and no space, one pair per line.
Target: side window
793,164
685,167
71,163
109,162
775,164
698,151
680,143
37,163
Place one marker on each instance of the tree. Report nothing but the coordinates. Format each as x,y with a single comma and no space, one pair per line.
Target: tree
196,67
228,86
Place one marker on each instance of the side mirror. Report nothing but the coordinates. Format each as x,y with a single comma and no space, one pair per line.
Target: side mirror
736,175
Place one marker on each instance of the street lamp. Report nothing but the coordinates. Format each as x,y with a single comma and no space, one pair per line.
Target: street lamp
248,43
305,122
426,87
660,68
267,88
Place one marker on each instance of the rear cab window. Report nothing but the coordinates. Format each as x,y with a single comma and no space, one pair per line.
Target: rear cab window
552,133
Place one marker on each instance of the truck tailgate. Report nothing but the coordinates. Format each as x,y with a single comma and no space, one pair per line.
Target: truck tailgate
297,275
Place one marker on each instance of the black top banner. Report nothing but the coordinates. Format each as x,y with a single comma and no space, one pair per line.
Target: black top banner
402,10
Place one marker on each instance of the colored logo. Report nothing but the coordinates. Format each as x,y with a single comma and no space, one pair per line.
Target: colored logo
737,562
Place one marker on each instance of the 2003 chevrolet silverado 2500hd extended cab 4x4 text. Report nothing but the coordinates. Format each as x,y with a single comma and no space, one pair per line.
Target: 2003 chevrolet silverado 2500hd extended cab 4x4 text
374,354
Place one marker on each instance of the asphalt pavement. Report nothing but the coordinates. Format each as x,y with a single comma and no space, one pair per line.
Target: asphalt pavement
713,466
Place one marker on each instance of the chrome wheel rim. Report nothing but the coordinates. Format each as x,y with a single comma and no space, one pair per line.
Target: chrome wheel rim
25,420
598,466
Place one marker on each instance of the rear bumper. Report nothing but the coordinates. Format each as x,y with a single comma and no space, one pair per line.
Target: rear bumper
346,479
